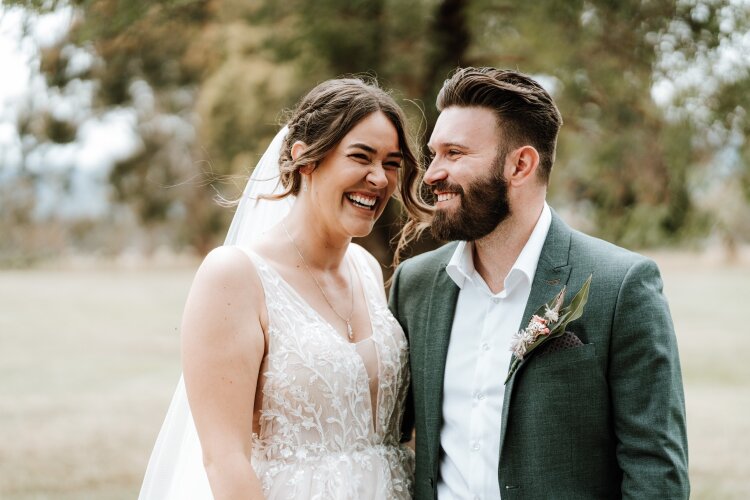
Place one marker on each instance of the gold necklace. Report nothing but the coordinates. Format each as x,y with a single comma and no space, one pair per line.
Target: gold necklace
348,320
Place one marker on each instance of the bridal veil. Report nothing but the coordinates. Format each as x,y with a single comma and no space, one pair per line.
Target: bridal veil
175,470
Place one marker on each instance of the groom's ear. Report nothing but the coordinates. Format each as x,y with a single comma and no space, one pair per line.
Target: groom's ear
521,165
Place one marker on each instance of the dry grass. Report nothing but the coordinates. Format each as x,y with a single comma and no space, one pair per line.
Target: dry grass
89,360
707,298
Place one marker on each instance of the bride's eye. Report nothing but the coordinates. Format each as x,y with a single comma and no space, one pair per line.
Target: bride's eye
362,158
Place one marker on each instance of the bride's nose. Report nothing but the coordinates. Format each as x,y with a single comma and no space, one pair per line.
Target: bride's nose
376,176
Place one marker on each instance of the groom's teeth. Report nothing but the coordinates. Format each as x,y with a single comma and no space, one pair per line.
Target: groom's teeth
446,196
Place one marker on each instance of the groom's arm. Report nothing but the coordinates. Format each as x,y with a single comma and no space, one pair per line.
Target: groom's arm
407,424
647,395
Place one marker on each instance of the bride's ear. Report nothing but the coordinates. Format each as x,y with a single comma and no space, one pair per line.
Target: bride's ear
298,148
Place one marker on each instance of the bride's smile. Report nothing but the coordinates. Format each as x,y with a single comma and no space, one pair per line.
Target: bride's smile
351,186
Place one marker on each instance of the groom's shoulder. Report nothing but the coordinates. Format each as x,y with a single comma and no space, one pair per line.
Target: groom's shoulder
605,256
426,264
601,249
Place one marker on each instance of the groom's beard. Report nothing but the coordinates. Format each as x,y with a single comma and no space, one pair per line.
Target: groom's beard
482,206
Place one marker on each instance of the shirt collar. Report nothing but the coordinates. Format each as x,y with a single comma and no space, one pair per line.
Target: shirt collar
461,265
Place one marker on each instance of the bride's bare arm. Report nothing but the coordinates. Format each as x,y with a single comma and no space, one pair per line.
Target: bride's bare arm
222,350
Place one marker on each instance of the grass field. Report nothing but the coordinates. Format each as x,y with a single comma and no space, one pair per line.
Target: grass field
89,360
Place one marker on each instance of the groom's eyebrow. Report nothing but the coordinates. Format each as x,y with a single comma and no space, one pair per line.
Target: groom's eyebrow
447,145
372,150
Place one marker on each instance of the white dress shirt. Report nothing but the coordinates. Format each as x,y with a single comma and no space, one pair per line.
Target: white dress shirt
477,364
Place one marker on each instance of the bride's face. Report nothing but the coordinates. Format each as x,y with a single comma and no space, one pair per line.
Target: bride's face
352,185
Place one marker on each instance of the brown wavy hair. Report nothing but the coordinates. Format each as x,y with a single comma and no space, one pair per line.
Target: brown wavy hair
321,120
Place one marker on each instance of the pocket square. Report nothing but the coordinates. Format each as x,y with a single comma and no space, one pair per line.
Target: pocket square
567,340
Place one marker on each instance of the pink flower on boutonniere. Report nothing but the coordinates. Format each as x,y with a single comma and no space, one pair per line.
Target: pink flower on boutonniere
521,340
547,323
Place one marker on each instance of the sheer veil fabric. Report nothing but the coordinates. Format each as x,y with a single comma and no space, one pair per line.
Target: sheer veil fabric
175,470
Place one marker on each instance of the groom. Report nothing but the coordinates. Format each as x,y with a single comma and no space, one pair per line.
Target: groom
596,413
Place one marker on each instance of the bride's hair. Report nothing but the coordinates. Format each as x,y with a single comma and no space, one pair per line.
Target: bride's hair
321,120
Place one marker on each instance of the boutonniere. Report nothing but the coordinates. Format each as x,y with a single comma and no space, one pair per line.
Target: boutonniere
547,323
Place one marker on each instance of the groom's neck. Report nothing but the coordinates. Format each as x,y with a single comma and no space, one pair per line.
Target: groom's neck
495,254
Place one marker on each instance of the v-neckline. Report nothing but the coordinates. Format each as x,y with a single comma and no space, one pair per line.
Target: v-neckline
316,313
352,346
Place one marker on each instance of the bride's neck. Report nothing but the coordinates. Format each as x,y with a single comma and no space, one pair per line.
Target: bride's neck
321,248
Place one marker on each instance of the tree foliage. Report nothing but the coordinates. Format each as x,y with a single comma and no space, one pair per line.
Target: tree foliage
210,80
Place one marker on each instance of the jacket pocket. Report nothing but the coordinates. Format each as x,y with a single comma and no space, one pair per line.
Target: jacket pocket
562,358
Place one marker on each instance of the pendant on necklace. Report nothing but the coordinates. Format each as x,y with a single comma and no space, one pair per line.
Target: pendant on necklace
349,330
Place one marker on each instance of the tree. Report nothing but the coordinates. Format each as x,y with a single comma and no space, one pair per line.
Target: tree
208,80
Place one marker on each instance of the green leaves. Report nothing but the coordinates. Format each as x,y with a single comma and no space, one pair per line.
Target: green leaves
545,315
575,309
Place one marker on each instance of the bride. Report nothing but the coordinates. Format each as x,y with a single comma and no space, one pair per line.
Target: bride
295,372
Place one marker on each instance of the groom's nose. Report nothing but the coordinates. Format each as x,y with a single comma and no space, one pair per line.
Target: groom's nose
434,173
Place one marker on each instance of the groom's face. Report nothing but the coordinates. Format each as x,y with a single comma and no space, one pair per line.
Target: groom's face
466,174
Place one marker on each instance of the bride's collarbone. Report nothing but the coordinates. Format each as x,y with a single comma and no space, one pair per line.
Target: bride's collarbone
349,301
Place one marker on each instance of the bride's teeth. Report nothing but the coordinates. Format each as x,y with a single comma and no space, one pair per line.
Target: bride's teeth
368,202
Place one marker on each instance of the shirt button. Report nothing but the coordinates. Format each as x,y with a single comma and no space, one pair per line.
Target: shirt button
475,446
481,396
496,300
485,347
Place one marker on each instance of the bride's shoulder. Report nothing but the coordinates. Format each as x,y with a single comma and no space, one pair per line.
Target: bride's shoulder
229,268
226,290
224,311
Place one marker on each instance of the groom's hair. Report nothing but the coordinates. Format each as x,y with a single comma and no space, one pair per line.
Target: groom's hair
525,112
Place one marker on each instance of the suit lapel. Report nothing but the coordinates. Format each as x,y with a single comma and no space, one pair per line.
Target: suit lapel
551,275
437,336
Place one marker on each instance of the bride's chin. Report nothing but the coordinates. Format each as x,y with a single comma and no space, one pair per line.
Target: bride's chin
361,234
359,230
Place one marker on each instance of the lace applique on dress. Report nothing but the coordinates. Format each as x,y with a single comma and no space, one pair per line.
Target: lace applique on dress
331,410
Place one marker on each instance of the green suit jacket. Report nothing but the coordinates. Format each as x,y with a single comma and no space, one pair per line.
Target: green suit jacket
601,420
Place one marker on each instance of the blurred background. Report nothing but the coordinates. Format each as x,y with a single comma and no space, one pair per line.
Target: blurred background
120,123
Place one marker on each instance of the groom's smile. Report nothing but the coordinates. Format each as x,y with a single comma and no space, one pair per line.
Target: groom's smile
445,191
446,196
466,174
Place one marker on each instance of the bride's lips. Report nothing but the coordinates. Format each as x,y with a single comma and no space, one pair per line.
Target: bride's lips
363,200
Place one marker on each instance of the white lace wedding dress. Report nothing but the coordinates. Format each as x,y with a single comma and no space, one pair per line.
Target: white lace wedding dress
331,411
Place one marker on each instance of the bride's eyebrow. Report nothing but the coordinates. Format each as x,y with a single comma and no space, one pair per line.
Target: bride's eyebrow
372,150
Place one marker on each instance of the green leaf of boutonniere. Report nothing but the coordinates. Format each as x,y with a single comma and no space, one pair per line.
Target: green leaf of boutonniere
548,322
